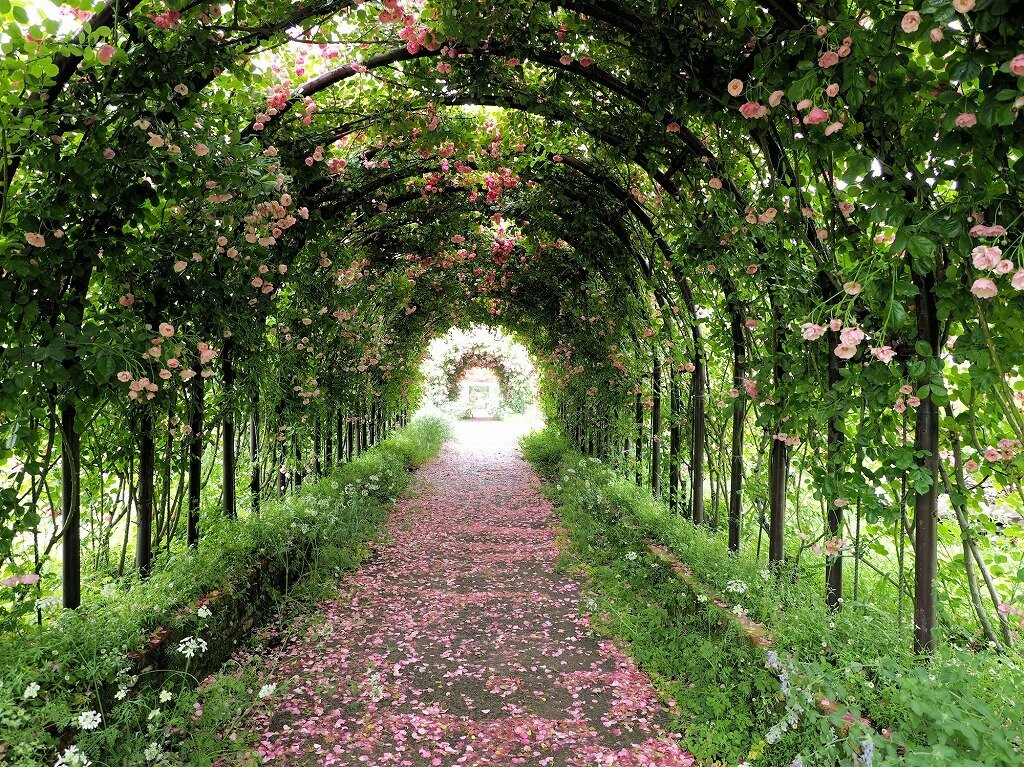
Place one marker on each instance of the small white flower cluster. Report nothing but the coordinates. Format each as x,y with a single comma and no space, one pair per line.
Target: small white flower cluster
31,691
89,720
192,646
267,690
72,757
204,612
632,556
736,587
153,752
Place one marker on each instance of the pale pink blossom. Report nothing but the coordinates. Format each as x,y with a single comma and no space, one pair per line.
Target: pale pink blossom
1004,267
963,6
852,288
966,120
911,22
105,53
851,336
35,239
752,110
828,59
883,353
776,98
845,351
816,116
1017,65
986,256
735,87
1017,281
984,288
811,331
166,329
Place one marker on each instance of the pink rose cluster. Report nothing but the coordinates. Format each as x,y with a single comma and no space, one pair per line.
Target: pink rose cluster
1004,450
907,392
989,258
28,579
145,388
850,339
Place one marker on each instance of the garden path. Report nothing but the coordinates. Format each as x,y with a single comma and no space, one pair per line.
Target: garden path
460,644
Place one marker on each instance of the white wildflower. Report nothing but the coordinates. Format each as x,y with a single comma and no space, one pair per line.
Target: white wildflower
32,691
89,720
267,690
192,646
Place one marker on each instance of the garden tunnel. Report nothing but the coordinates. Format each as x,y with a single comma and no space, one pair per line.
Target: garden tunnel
782,238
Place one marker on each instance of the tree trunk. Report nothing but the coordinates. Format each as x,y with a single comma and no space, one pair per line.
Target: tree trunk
738,419
699,432
254,452
144,525
674,441
926,446
834,564
656,425
228,436
71,506
195,460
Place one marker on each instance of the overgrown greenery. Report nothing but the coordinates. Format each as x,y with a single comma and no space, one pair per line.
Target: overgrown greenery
828,689
80,664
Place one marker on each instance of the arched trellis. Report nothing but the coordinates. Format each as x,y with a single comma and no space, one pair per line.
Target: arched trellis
511,379
63,294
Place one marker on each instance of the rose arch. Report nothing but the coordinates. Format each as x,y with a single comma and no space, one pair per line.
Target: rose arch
766,256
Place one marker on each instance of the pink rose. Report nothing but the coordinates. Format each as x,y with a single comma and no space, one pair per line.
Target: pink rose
166,329
986,257
752,110
984,288
963,6
851,336
715,183
1017,281
832,90
936,35
966,120
776,98
105,53
972,465
911,22
1017,65
816,116
735,87
828,59
833,128
852,288
884,353
1004,267
812,332
845,351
